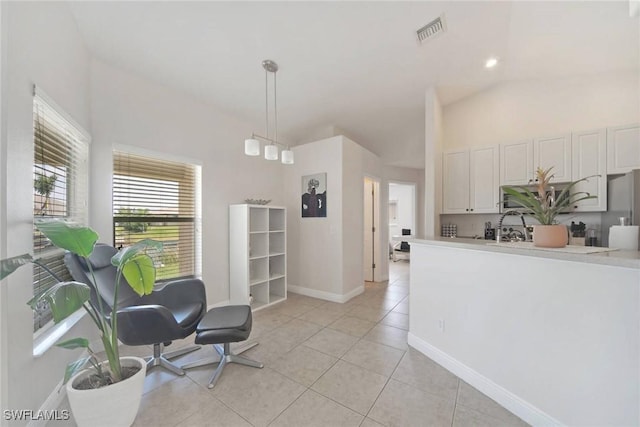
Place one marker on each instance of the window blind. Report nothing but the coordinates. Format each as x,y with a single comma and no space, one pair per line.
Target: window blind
156,199
60,187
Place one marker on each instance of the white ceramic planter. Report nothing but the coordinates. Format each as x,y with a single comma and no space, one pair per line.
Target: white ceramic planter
113,406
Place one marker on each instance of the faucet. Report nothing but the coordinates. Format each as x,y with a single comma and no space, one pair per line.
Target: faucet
499,227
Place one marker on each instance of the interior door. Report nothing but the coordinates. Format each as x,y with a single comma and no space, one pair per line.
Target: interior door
372,255
369,230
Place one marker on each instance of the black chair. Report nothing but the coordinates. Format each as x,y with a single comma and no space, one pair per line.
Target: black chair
404,247
172,311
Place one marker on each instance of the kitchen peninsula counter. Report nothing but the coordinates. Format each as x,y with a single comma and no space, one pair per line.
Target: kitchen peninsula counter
629,259
554,337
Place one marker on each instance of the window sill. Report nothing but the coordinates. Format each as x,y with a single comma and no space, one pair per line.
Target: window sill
45,339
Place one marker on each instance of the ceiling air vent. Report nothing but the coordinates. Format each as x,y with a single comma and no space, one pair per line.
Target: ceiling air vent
432,29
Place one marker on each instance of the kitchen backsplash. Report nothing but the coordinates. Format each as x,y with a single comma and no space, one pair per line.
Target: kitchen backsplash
473,225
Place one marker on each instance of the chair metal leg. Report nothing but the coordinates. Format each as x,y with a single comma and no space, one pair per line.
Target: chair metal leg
242,349
164,363
162,360
201,362
225,357
181,351
241,360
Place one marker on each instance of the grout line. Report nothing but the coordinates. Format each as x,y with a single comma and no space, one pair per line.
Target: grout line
455,404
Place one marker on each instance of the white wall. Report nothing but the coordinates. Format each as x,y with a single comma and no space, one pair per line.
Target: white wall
358,163
545,337
42,47
433,163
315,257
326,257
525,109
136,112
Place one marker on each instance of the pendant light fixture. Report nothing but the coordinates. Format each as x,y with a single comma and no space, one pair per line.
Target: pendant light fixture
252,145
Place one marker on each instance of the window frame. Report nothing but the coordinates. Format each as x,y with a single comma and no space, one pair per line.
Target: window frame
78,145
196,220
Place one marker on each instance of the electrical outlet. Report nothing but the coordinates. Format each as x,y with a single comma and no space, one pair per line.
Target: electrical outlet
441,325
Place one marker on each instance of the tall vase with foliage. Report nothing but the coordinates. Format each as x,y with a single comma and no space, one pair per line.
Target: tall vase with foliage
545,204
66,297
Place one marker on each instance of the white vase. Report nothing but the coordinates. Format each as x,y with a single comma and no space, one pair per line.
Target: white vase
115,405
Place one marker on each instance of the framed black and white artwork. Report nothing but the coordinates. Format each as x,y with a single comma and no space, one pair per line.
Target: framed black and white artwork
314,196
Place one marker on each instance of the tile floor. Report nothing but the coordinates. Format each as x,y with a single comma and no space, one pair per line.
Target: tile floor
326,364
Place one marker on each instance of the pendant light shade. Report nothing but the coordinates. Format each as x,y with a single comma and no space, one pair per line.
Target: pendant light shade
271,152
287,157
251,147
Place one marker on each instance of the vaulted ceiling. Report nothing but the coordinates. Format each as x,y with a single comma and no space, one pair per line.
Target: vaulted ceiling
355,65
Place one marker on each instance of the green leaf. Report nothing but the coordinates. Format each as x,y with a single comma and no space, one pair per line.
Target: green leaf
9,265
140,273
125,254
136,266
74,343
545,212
74,367
64,299
68,235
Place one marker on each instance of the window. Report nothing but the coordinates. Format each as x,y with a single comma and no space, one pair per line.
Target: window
158,199
60,181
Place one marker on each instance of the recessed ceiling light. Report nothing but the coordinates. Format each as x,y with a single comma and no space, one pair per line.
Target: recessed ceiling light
491,62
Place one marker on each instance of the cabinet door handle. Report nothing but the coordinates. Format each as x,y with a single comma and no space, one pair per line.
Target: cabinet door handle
467,210
471,210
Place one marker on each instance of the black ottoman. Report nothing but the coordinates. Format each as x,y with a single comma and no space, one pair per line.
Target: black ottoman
224,325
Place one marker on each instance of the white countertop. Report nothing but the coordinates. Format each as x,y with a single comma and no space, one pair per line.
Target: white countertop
627,259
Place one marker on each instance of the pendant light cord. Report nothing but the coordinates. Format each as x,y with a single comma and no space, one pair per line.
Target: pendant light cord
266,100
275,103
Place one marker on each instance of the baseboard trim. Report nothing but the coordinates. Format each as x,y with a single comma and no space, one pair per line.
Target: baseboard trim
504,397
328,296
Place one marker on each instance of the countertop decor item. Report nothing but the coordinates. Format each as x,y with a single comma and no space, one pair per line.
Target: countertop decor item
544,205
624,237
257,201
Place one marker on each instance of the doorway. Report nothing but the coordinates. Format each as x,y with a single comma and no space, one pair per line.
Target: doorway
402,211
371,229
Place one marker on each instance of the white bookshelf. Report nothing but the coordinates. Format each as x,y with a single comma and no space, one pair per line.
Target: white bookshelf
257,255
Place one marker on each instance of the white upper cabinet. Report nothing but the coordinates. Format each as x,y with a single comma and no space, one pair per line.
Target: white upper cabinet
516,163
588,159
484,180
471,181
623,149
553,152
519,160
455,195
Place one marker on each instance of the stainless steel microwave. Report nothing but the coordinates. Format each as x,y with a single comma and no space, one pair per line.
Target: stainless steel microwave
507,203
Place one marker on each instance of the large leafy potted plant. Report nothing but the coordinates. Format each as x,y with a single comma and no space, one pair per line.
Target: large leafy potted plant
545,204
108,393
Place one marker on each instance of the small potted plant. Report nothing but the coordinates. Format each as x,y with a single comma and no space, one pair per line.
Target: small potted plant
545,204
107,389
